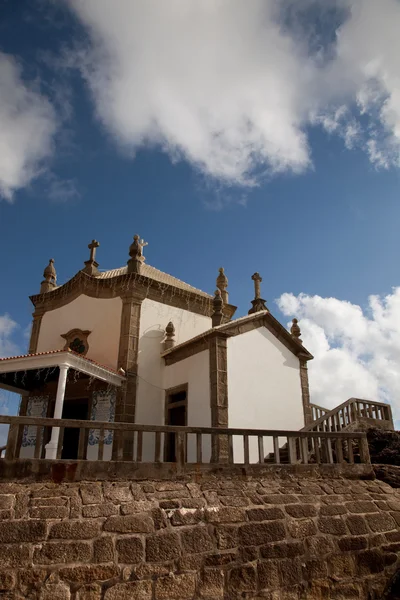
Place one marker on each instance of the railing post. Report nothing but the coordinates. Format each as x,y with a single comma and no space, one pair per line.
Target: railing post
12,439
180,449
364,449
51,447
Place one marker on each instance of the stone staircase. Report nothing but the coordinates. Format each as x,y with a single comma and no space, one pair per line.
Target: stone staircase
353,415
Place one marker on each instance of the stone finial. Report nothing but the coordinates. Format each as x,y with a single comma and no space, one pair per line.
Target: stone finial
91,264
136,254
169,341
258,302
217,315
295,331
50,278
222,284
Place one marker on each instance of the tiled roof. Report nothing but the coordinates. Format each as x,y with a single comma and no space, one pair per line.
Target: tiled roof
153,273
50,352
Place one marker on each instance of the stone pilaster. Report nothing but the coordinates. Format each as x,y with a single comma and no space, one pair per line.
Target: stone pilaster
219,393
305,391
128,357
36,323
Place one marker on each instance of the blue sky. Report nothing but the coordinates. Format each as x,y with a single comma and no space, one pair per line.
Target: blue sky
120,145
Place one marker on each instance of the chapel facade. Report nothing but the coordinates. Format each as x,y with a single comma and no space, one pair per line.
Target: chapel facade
137,345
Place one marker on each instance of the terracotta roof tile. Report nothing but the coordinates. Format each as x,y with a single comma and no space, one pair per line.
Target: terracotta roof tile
5,358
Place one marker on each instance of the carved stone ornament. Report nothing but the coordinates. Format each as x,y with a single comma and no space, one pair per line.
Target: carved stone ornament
136,254
295,331
222,284
50,278
77,341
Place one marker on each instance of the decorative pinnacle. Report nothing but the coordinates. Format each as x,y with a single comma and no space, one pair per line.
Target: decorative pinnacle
295,331
136,248
50,278
222,284
258,302
218,303
169,341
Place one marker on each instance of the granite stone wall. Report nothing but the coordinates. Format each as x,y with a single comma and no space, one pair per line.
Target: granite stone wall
290,538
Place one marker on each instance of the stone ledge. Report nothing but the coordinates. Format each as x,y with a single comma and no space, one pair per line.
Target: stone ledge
31,470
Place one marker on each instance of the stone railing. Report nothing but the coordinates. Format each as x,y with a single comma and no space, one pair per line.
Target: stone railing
193,445
352,411
318,411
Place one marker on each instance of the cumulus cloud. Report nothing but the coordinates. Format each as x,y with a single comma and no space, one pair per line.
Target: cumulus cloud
27,124
357,352
233,86
7,329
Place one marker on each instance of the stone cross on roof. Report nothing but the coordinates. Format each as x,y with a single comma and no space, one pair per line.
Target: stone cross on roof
258,302
91,264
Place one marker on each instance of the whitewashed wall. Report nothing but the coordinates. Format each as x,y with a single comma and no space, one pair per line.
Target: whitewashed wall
150,399
195,371
264,390
100,316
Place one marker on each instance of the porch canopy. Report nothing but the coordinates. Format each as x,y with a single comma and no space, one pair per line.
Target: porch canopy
21,374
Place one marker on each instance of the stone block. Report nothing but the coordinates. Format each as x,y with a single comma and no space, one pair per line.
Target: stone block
169,504
170,486
234,501
241,580
187,516
193,503
290,572
49,501
212,583
175,586
332,525
62,552
225,514
29,578
22,531
137,492
117,492
393,536
89,573
248,554
14,555
258,534
6,501
92,511
357,525
314,569
149,571
75,530
361,507
171,495
89,592
103,549
370,561
7,580
396,517
130,508
6,515
133,590
190,562
196,540
332,509
49,512
268,574
299,511
381,522
302,528
265,514
280,499
319,546
341,566
227,537
346,591
350,544
130,524
130,550
162,547
55,591
91,493
283,550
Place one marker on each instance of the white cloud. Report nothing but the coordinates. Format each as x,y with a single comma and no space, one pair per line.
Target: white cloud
232,86
357,353
27,125
7,328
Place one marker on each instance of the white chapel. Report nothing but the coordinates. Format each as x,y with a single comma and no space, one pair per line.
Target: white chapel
137,345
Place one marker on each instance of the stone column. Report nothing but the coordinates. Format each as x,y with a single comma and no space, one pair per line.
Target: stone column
51,447
125,409
305,391
36,323
219,393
